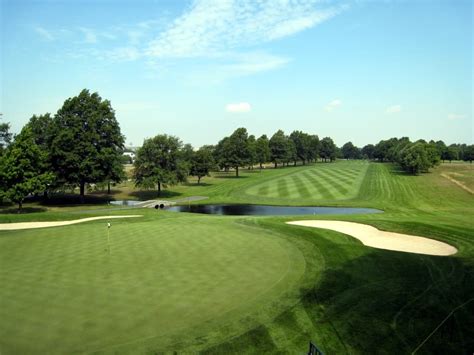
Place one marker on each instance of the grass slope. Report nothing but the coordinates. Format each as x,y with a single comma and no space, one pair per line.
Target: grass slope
61,289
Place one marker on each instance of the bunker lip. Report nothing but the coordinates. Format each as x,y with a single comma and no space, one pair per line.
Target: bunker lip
373,237
32,225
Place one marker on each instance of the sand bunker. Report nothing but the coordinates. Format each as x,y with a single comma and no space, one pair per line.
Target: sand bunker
372,237
30,225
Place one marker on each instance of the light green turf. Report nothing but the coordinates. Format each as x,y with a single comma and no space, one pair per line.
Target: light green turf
166,279
220,284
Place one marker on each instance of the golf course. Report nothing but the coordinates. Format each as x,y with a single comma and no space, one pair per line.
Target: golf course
164,282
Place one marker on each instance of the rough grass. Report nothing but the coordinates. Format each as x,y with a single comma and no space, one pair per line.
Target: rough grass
60,288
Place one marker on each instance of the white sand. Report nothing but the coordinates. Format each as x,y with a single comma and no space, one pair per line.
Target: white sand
30,225
372,237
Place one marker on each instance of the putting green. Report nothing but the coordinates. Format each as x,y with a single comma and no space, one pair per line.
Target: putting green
167,282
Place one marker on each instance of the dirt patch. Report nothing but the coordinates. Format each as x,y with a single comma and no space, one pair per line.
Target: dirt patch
31,225
372,237
459,183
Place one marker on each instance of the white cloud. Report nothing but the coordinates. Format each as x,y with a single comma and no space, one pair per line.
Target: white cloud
333,105
238,108
393,109
216,26
123,54
89,35
44,33
454,116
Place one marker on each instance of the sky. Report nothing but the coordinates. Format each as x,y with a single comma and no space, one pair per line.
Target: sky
352,70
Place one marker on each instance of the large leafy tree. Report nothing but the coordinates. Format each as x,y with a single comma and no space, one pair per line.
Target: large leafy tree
159,163
314,146
350,151
262,150
22,169
368,151
278,147
302,142
87,143
469,153
5,136
414,158
238,149
202,162
328,149
42,130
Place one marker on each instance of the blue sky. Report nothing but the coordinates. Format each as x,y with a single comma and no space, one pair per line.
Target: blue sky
352,70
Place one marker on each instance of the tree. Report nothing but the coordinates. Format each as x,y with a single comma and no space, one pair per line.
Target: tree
449,153
158,162
302,142
5,136
238,149
414,158
252,151
21,169
469,153
202,163
314,146
42,129
350,151
290,152
221,153
278,146
328,149
368,151
262,150
87,143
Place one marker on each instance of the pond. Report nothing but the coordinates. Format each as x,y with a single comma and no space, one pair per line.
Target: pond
126,202
263,210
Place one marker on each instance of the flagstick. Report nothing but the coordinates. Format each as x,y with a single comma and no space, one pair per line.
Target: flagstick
108,238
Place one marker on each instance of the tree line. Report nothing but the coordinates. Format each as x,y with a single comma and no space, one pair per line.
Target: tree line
82,144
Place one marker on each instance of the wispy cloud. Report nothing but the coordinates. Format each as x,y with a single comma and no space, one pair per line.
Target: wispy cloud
455,116
44,33
223,37
211,27
90,35
240,107
393,109
333,105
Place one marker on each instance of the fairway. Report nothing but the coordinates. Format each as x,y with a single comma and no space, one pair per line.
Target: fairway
317,182
220,284
165,282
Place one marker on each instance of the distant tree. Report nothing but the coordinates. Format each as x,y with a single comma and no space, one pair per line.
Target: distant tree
350,151
449,153
222,152
238,149
21,169
262,150
278,148
87,144
252,151
158,163
314,147
368,151
414,158
291,154
202,163
328,149
302,142
469,153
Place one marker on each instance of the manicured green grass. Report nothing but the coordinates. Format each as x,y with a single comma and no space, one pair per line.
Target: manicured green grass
248,284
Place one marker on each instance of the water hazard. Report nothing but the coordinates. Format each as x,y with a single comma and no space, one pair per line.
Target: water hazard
264,210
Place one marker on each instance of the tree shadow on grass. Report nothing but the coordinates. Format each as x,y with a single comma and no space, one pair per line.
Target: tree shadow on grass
390,302
195,184
145,195
59,200
24,210
230,176
104,192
